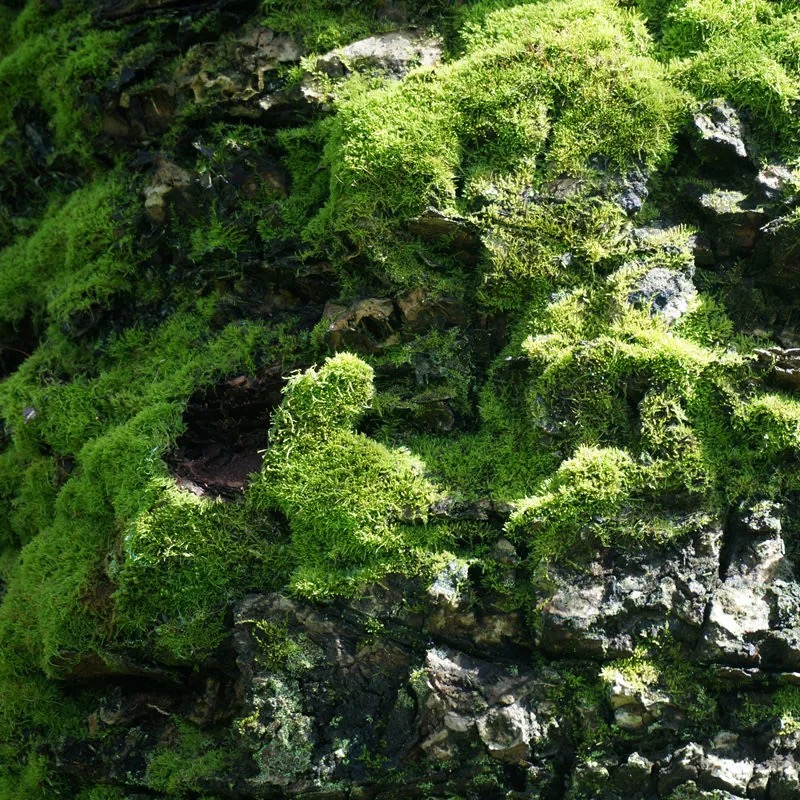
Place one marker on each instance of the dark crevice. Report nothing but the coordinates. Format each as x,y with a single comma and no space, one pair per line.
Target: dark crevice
226,434
16,344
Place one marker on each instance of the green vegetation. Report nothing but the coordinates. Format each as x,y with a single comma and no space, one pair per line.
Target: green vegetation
566,400
348,498
179,768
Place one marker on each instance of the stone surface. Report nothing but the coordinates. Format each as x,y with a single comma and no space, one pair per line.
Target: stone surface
421,310
389,55
719,137
663,292
735,221
363,327
777,259
471,701
602,612
168,185
748,622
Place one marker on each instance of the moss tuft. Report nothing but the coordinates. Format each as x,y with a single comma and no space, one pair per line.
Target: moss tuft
347,497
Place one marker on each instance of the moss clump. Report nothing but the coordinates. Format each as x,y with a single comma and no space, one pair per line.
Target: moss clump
745,52
192,759
524,96
78,257
348,498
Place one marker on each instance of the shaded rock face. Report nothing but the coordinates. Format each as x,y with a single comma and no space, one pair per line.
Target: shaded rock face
434,682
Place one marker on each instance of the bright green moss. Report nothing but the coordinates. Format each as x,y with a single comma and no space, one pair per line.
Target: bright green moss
51,61
516,100
346,496
322,26
115,427
745,52
77,259
179,769
183,561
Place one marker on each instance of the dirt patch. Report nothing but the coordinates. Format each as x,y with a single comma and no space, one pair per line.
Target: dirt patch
226,434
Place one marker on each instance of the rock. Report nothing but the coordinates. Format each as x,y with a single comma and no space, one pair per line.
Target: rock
631,191
702,250
509,714
735,221
389,55
460,237
664,292
749,616
601,612
775,183
784,783
363,327
454,508
684,766
239,76
448,583
636,705
776,260
719,137
635,771
167,185
421,311
757,787
728,774
148,112
308,679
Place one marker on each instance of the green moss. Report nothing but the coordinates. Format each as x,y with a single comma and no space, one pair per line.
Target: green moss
184,561
52,60
514,101
322,26
76,260
346,496
179,769
745,52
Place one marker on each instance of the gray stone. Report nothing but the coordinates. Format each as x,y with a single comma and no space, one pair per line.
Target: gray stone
509,713
663,292
363,327
784,783
603,611
388,55
636,706
778,253
780,365
719,137
751,616
775,183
